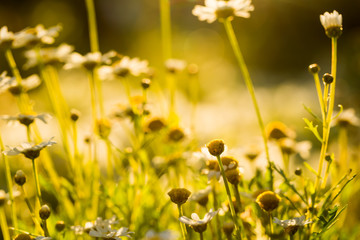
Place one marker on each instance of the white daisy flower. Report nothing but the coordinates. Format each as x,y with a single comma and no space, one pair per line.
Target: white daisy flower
26,119
332,23
290,146
347,118
175,65
201,196
199,225
49,56
214,9
164,235
10,84
6,37
102,228
292,225
30,37
90,60
29,150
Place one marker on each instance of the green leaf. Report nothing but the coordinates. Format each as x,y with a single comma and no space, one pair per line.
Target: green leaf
311,169
312,113
313,129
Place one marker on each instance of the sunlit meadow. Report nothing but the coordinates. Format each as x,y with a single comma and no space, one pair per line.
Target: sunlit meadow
170,134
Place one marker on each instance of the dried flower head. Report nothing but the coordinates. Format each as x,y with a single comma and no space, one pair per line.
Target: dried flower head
176,134
216,147
199,225
233,176
327,78
222,9
332,23
60,226
155,124
179,196
347,118
292,225
268,201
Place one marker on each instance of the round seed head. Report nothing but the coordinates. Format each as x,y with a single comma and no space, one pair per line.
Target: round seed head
44,212
155,124
179,195
268,201
314,68
20,177
233,176
298,172
216,147
328,78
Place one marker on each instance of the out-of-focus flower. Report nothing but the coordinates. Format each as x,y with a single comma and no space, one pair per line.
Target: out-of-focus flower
268,201
290,146
29,150
199,225
6,37
49,56
123,68
10,84
164,235
332,23
214,9
175,65
89,60
179,196
102,229
30,37
201,196
292,225
347,118
277,130
26,119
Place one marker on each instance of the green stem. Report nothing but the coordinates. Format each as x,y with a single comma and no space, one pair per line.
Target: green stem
245,73
93,34
3,224
343,149
326,125
165,18
10,58
216,206
182,225
231,205
237,196
9,184
93,98
327,171
271,223
320,95
201,235
110,167
37,183
32,213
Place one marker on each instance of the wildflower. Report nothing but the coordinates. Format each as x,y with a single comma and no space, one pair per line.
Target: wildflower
251,152
268,201
201,196
20,178
179,195
30,37
292,225
222,9
49,56
89,60
6,37
347,118
164,235
26,119
332,23
290,146
42,238
10,84
175,65
216,147
228,228
176,134
155,124
5,197
233,176
78,230
102,229
123,68
212,169
277,130
103,127
29,150
199,225
44,212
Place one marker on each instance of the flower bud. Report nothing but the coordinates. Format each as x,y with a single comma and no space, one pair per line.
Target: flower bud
216,147
228,228
328,78
155,124
298,172
314,68
60,226
176,134
268,201
22,236
44,212
145,83
179,195
74,115
20,178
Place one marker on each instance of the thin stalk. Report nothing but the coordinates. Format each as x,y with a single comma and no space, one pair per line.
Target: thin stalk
93,34
237,196
326,125
93,98
37,183
201,235
165,19
245,72
28,133
271,223
182,225
9,184
216,206
110,167
3,224
327,171
32,213
232,209
320,95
